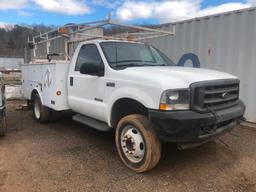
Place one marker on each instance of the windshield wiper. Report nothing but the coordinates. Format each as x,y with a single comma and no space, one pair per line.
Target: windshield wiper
123,66
130,61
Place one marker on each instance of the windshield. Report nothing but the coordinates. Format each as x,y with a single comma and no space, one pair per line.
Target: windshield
121,55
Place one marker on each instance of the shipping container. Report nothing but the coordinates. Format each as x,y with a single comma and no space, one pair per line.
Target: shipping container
225,42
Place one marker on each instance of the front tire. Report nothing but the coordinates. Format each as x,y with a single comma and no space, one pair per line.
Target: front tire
137,143
41,113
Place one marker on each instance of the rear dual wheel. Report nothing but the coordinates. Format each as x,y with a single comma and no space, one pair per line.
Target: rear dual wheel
41,113
137,143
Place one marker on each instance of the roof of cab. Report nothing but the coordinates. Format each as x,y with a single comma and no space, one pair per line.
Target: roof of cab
113,40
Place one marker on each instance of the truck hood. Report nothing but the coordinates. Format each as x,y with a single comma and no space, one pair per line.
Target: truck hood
174,77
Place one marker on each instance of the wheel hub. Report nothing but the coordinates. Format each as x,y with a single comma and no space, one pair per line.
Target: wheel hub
132,144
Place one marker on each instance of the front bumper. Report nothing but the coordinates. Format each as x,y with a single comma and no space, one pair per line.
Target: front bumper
191,126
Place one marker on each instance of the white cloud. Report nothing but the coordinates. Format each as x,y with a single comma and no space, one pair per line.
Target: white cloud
111,4
125,10
12,4
252,2
171,11
222,8
67,7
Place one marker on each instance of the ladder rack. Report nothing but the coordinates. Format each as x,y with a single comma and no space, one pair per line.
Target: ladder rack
64,39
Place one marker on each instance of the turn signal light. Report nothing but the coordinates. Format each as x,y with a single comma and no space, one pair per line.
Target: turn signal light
163,106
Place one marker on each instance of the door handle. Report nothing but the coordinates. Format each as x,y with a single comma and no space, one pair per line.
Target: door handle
71,81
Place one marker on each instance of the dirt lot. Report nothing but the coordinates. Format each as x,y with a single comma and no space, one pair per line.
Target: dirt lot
67,156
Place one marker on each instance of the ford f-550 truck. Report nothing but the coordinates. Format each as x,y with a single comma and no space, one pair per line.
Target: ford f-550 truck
136,90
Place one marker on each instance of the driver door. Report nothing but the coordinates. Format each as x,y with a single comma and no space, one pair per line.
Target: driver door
86,92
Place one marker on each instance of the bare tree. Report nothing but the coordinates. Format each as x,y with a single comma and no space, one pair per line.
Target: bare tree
14,38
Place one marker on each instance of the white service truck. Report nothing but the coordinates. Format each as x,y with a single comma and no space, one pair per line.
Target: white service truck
136,90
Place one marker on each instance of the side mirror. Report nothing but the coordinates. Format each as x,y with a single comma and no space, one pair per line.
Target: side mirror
91,69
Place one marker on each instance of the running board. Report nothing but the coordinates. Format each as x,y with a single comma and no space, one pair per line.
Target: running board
99,125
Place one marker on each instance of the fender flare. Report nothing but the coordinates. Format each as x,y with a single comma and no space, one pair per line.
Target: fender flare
141,97
39,93
110,111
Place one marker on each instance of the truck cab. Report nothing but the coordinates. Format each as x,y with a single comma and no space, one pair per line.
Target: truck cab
140,93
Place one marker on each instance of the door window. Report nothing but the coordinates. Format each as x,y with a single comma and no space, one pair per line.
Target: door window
88,55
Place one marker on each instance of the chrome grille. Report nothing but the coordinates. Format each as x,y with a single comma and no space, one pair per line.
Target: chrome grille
214,95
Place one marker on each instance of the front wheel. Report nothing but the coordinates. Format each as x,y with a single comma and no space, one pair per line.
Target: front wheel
41,113
137,143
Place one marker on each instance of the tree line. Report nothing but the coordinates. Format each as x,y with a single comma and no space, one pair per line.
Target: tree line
13,39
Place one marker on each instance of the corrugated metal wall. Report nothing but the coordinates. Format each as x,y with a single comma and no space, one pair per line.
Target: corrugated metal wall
78,38
41,50
58,46
225,42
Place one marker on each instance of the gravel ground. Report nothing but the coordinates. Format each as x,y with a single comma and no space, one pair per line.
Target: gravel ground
67,156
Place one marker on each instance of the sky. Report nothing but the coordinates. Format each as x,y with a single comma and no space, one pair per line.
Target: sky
60,12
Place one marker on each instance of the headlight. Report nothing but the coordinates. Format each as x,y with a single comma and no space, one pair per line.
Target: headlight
175,100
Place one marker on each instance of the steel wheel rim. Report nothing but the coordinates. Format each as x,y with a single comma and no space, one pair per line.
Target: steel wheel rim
37,109
132,144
